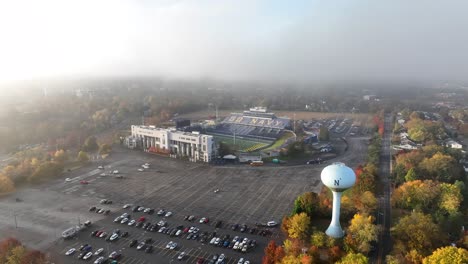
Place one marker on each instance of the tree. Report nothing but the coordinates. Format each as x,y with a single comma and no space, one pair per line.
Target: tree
224,149
450,198
361,233
441,167
6,246
318,239
416,195
269,257
46,170
105,149
90,144
34,257
291,259
6,184
307,202
452,255
418,232
354,258
61,156
16,255
83,157
411,175
366,202
324,134
299,226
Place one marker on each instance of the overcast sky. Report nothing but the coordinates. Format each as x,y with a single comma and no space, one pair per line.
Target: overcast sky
236,39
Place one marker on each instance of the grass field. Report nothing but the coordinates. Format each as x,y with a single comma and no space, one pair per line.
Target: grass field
242,144
280,141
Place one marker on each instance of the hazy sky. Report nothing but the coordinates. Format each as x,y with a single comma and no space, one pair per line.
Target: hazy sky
236,39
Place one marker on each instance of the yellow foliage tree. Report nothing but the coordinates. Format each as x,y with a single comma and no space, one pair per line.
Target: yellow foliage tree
447,255
6,185
299,226
361,232
291,259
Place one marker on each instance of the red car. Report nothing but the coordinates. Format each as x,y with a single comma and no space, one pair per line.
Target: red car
200,261
84,182
99,233
141,219
186,230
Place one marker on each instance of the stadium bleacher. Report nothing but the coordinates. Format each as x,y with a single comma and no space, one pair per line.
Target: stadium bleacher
252,124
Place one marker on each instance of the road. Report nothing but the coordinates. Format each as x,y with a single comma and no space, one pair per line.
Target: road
384,214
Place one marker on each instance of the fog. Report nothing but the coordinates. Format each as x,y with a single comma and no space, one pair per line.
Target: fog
304,41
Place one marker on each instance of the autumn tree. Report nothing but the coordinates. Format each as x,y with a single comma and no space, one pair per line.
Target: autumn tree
452,255
299,226
34,257
16,255
417,232
416,195
318,239
307,202
354,258
361,233
83,157
450,198
6,246
441,167
46,170
269,256
6,184
60,156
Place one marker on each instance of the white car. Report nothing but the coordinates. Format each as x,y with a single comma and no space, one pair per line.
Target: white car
178,232
126,206
98,252
141,208
115,172
168,214
221,258
88,255
202,220
241,261
100,167
174,245
124,215
70,251
103,234
141,245
147,164
272,223
141,170
247,262
68,180
245,247
114,237
181,255
169,244
236,245
212,241
132,222
99,260
146,210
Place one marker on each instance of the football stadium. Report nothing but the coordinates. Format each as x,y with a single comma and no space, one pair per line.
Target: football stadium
250,130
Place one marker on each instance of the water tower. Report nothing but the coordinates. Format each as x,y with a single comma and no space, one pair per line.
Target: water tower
337,177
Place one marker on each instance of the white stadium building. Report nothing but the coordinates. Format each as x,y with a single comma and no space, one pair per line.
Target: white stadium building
195,146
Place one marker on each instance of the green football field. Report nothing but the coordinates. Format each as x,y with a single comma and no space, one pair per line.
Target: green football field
242,144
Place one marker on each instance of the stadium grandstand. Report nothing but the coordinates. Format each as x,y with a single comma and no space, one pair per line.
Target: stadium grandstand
257,124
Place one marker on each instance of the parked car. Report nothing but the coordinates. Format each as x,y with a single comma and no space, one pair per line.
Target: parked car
84,182
115,255
181,255
141,246
71,251
149,249
98,252
204,220
88,255
99,260
168,214
133,243
272,223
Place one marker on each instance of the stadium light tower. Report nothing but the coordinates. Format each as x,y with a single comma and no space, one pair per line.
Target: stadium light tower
337,177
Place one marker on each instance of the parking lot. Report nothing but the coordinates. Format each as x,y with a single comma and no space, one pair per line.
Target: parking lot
246,195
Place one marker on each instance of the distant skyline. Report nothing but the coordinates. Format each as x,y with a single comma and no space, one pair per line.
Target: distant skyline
235,40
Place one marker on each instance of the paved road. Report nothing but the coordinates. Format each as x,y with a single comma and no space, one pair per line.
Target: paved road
384,215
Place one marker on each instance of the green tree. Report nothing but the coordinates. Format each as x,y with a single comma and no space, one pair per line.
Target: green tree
441,167
354,258
324,134
306,202
411,175
452,255
361,233
105,149
299,226
90,144
83,157
45,171
417,232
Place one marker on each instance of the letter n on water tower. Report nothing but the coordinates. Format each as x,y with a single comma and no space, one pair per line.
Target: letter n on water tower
337,183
